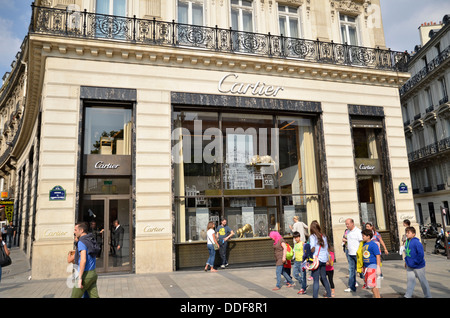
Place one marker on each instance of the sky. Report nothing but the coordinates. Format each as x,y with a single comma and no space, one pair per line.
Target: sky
401,20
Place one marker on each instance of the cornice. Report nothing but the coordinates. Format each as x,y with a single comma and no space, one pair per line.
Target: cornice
110,51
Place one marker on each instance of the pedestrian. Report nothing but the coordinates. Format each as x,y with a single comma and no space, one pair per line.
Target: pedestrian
4,232
5,248
72,258
10,234
319,248
280,249
86,255
297,269
299,227
371,256
415,264
353,240
329,268
117,234
211,244
406,223
224,232
377,237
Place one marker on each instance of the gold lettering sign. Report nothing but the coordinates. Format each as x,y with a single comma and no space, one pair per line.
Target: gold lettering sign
153,229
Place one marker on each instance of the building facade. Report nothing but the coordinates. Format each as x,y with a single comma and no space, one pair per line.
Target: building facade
166,115
426,115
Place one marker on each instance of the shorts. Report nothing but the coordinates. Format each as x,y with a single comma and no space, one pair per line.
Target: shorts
370,278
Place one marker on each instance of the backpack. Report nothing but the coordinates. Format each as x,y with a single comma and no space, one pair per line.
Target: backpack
289,252
91,243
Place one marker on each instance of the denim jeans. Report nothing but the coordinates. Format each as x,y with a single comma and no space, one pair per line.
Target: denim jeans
320,274
9,240
280,271
223,251
297,271
352,272
212,255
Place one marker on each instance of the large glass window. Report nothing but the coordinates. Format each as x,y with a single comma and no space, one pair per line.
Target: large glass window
190,12
242,15
258,171
288,18
107,131
349,28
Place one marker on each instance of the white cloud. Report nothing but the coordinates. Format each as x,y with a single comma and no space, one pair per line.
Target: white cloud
10,45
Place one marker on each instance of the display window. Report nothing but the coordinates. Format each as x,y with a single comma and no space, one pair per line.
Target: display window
258,171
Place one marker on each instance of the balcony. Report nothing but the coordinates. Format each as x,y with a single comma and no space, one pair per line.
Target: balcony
423,73
429,150
83,24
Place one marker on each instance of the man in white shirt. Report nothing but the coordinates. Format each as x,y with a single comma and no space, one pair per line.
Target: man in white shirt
354,237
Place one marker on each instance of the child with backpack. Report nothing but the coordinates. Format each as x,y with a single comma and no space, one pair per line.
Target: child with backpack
280,251
298,261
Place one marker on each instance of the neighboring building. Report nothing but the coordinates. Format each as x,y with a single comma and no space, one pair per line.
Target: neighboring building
169,114
426,116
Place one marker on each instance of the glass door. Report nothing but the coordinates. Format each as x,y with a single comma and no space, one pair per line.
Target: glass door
109,221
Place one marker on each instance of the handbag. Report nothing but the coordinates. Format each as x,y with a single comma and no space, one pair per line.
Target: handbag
5,260
216,246
315,264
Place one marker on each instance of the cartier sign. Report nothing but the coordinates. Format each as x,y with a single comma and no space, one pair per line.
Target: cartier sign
365,166
230,84
107,165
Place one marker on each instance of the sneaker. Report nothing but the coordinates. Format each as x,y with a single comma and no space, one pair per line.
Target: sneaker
222,266
348,290
301,292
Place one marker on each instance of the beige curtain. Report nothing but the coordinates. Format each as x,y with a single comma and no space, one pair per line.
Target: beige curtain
309,172
377,187
179,185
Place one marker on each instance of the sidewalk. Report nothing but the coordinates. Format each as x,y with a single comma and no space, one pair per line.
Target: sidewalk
235,283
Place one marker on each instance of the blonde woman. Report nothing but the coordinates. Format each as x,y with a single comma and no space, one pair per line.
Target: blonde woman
211,241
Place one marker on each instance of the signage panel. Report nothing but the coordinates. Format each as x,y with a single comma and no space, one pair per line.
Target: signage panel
107,165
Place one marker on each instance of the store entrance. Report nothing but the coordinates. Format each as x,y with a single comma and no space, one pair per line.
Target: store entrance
109,220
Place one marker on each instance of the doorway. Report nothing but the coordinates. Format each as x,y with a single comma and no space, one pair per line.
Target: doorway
109,220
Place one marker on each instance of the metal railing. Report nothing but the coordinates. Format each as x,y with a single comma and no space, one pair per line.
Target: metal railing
419,76
431,149
83,24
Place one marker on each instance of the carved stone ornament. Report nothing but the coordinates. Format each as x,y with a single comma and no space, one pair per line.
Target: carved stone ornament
46,3
348,7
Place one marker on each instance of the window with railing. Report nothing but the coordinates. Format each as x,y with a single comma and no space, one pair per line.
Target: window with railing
108,26
238,39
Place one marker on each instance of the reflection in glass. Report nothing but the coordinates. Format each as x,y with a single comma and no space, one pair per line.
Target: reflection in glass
106,186
107,131
251,169
252,216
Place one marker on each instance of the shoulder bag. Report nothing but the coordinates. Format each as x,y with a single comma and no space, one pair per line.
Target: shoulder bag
5,260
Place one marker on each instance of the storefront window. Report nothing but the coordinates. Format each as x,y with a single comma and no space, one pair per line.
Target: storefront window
251,169
107,131
369,174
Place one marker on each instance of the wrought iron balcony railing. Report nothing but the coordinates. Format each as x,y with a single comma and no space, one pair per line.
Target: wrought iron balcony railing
434,148
417,78
85,24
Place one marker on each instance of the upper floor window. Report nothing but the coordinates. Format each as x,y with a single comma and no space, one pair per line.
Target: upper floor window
349,27
289,20
111,7
443,88
242,15
190,12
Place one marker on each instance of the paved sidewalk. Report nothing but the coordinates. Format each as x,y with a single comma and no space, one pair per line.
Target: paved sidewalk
235,283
